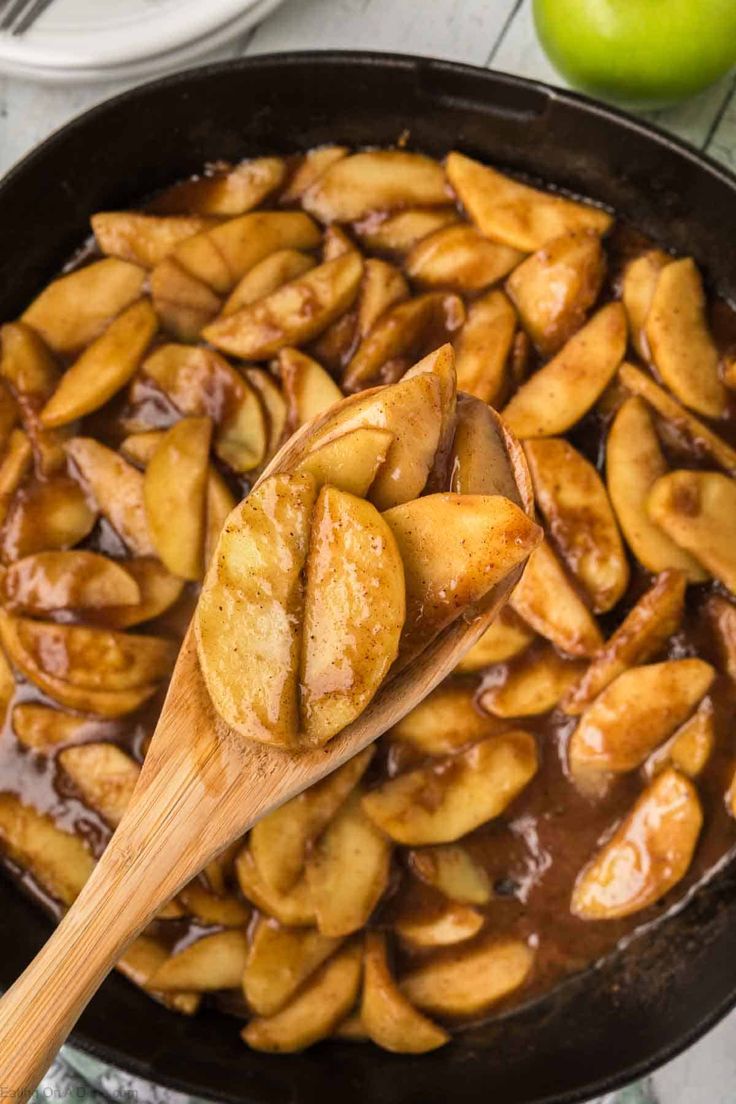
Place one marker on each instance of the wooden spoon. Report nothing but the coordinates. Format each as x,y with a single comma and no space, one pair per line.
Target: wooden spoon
202,785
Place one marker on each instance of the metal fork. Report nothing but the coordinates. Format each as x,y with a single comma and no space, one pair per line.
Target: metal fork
21,14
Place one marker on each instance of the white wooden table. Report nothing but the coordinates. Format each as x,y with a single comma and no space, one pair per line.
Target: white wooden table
495,33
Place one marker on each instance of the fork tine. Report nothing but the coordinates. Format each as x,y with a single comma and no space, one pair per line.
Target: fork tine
37,8
15,10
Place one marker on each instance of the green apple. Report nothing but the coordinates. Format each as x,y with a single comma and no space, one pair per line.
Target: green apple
639,52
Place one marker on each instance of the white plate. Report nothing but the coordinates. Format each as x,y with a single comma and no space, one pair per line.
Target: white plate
97,39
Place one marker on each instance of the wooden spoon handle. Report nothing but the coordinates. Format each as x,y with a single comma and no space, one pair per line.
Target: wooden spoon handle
41,1008
144,865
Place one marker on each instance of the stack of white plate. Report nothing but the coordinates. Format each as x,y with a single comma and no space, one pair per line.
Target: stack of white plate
92,40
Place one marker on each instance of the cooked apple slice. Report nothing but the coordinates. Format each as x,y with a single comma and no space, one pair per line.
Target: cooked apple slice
722,617
158,588
466,791
333,347
60,862
33,375
310,167
201,383
647,855
140,447
23,640
403,334
513,213
294,313
376,180
92,658
354,610
273,403
219,502
400,232
453,871
271,273
445,721
292,907
643,632
46,515
558,395
573,501
14,466
280,841
279,961
684,353
441,364
389,1018
141,961
479,460
554,288
72,310
27,365
44,730
212,962
634,463
212,908
547,601
483,345
461,258
690,748
67,580
253,592
637,292
117,490
143,239
98,703
319,1006
105,776
506,638
702,440
442,927
308,388
174,493
473,540
412,411
349,462
636,713
383,286
348,870
183,303
697,510
228,191
468,981
103,368
222,255
533,684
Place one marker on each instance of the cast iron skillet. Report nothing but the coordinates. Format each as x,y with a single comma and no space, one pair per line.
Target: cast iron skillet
644,1004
